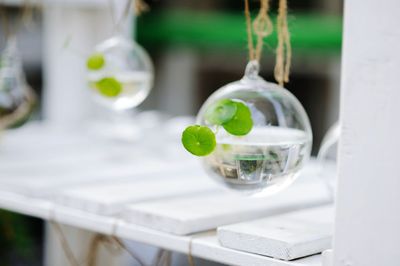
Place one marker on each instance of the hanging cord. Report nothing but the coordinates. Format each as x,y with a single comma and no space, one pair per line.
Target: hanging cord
139,7
64,244
69,254
163,258
249,31
124,15
113,243
4,22
262,26
190,256
283,51
25,18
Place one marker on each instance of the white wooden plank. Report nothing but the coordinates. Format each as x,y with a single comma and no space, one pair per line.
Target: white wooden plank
209,248
109,197
14,158
197,213
289,236
46,185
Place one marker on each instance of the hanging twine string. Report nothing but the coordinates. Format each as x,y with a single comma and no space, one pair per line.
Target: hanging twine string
262,26
283,51
140,7
25,17
113,243
64,243
249,31
163,258
114,246
190,256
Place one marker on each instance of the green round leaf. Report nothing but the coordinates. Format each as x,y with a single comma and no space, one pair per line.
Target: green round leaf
95,61
221,112
109,87
198,140
241,123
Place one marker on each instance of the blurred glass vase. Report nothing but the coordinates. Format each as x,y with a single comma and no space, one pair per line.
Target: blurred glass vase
327,157
262,133
120,73
17,99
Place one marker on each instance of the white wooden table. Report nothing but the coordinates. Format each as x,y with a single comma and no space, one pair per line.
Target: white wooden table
151,192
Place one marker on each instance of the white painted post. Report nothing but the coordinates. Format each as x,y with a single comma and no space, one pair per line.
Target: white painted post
66,98
367,229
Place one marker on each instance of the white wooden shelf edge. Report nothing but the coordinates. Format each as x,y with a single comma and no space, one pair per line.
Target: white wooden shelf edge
204,246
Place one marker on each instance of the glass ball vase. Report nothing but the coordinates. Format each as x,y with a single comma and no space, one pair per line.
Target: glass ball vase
122,74
17,99
271,155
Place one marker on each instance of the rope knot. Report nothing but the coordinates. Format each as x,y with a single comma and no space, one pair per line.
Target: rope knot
262,25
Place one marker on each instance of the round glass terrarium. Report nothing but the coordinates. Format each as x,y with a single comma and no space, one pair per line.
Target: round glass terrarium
269,157
120,73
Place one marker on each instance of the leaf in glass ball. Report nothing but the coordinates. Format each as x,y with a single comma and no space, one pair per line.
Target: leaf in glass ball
241,123
109,87
221,112
198,140
95,61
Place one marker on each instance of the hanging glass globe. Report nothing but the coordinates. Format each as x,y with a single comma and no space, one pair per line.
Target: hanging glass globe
262,135
16,97
120,73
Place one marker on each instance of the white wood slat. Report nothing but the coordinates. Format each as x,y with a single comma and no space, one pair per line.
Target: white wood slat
109,198
209,248
81,155
289,236
48,185
197,213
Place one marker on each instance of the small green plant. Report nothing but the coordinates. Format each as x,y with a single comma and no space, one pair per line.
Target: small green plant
95,61
198,140
233,116
241,123
109,87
